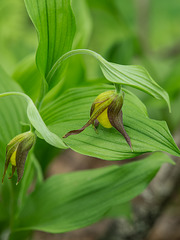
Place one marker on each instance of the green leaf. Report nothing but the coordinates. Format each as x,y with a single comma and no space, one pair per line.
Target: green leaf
74,200
40,126
134,76
71,111
55,24
122,210
13,111
37,122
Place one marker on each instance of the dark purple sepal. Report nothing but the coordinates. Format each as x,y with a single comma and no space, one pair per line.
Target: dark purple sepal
96,122
21,155
94,115
115,116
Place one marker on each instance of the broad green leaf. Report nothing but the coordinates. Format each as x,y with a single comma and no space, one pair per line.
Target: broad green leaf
122,210
37,122
71,111
28,77
134,76
74,200
13,111
12,114
22,235
55,24
40,126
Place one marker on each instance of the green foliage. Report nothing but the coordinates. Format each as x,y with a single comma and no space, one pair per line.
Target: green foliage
70,111
52,98
74,200
12,113
134,76
55,25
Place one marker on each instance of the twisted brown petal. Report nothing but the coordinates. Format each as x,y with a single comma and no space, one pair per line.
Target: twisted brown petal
115,116
94,115
21,155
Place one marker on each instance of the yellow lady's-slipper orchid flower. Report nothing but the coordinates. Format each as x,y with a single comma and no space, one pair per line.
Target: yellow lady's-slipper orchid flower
17,151
106,110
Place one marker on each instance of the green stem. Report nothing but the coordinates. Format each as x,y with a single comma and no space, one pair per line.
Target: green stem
66,56
118,88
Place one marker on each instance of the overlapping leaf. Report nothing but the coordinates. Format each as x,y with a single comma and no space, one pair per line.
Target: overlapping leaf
71,111
134,76
74,200
12,113
55,24
33,116
37,122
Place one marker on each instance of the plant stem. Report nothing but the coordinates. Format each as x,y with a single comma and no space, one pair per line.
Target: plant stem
66,56
117,87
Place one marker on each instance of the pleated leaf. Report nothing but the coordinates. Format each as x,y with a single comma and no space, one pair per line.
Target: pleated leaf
130,75
40,126
71,111
74,200
13,112
55,25
35,119
134,76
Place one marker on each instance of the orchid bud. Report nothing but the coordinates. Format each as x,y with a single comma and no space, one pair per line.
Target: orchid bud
17,151
106,110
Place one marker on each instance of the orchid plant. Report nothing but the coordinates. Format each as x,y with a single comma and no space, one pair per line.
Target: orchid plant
57,112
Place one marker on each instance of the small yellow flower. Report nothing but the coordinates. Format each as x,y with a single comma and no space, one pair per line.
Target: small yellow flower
17,151
106,110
